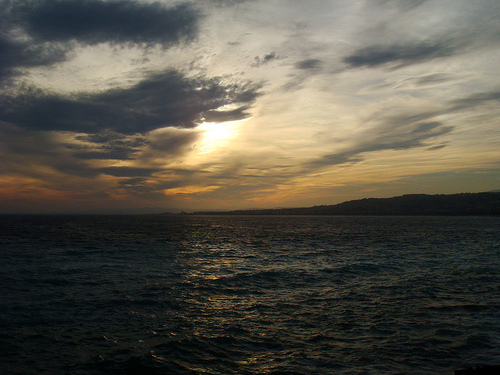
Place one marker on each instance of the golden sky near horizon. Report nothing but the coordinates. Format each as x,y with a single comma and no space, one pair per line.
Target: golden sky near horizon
223,104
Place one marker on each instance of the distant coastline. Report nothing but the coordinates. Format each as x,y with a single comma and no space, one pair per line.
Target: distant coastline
464,204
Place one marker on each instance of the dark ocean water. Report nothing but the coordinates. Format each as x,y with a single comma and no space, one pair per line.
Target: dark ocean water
248,295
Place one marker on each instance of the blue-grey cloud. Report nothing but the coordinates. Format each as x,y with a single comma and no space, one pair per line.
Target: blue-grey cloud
308,64
136,181
264,60
41,33
392,133
406,131
475,100
96,21
106,146
431,79
167,143
18,54
223,3
438,147
128,171
476,29
404,5
400,54
221,116
24,150
114,123
162,100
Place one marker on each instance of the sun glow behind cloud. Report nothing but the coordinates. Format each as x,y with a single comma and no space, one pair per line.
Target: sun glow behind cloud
217,136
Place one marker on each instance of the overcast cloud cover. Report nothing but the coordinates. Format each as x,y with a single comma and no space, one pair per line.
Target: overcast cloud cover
125,105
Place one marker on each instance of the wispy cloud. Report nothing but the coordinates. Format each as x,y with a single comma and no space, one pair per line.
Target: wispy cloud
406,131
400,55
396,134
475,100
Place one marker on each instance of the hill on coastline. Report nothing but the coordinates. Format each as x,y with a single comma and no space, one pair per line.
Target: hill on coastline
479,204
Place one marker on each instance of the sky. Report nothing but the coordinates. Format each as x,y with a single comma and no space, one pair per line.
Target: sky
141,106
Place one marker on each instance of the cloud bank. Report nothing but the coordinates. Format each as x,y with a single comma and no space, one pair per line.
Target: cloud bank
41,33
162,100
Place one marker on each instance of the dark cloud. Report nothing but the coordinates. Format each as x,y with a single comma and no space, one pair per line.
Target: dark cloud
168,143
476,29
109,125
41,33
128,171
120,148
16,54
148,187
406,131
162,100
475,100
264,60
404,5
94,21
430,79
245,93
138,186
221,116
111,137
404,137
308,64
392,133
122,153
391,139
137,181
111,121
269,57
227,2
32,153
400,54
434,148
425,127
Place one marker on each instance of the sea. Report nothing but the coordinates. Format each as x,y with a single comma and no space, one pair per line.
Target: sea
193,295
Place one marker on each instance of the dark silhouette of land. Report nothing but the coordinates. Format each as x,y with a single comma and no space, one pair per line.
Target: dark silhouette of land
465,204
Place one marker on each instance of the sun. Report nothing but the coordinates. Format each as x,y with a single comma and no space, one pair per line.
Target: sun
217,135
